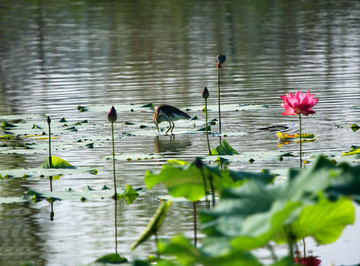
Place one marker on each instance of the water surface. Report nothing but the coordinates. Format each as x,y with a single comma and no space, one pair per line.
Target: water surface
56,55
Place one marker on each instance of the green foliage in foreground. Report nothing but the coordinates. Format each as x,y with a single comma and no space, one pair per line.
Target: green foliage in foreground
183,179
154,224
315,202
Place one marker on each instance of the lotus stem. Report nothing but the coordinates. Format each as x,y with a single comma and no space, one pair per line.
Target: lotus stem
212,190
206,127
273,255
300,141
290,241
112,117
219,80
304,247
48,120
50,158
205,187
116,242
156,244
195,223
113,158
199,165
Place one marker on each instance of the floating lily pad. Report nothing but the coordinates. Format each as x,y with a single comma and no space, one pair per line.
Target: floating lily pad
224,149
87,193
354,127
56,163
304,136
6,137
112,258
135,156
42,172
355,150
7,125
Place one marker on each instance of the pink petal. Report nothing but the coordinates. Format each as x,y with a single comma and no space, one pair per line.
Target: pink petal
289,111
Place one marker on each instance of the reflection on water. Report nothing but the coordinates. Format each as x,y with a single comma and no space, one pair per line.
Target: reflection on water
56,55
171,144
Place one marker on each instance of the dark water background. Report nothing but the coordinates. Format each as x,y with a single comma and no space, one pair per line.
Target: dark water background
56,55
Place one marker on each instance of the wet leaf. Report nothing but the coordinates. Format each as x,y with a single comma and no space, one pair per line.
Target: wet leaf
287,136
87,193
56,163
5,124
325,220
353,151
112,258
256,213
42,172
224,149
183,179
154,224
6,137
90,145
208,255
354,127
204,128
82,108
129,195
149,105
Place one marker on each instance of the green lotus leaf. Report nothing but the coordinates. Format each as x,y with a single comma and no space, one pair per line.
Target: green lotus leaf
325,220
188,254
56,163
224,149
112,258
256,213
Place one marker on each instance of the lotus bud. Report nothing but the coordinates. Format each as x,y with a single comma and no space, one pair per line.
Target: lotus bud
112,116
205,93
48,120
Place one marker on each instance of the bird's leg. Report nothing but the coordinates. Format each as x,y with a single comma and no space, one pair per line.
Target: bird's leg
169,128
173,125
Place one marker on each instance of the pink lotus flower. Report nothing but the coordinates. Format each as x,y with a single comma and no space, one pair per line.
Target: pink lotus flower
311,260
298,103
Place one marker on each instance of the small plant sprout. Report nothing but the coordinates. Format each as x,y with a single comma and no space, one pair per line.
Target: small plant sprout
112,117
205,95
221,59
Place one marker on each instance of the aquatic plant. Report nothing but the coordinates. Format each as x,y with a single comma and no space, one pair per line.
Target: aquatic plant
220,59
48,120
112,117
315,202
298,104
205,95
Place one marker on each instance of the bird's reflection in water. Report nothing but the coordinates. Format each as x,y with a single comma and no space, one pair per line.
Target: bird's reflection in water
170,144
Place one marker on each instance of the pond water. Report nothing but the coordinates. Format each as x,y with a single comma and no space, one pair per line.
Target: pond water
58,55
